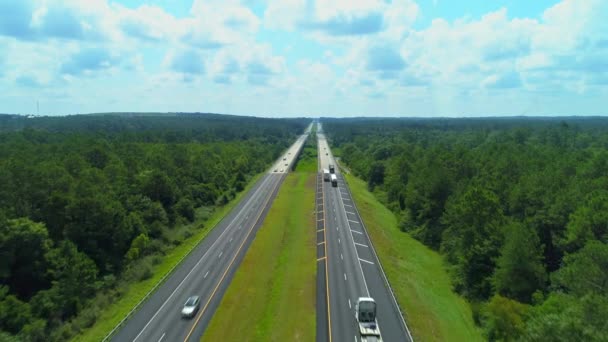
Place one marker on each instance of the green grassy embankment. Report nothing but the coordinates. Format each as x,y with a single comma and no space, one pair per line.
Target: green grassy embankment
272,294
135,292
417,274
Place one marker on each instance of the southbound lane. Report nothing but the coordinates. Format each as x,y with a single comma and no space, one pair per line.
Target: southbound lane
208,269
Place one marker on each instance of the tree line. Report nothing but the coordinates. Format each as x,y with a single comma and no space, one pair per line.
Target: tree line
90,201
517,206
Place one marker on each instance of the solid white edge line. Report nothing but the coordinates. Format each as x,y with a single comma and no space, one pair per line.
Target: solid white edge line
375,255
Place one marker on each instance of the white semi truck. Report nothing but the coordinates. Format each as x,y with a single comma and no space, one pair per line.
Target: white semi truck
334,180
326,175
365,314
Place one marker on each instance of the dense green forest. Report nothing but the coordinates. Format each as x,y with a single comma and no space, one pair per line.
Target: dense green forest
88,201
517,206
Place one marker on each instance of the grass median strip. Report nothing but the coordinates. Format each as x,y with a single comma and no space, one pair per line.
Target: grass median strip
272,295
416,274
308,160
135,292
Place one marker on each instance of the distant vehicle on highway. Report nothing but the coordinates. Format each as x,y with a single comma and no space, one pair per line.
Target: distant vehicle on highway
275,170
334,180
191,307
284,158
332,169
326,153
286,164
282,170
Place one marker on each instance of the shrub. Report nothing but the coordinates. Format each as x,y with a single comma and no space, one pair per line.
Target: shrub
504,319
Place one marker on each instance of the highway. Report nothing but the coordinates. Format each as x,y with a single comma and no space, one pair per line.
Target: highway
209,268
353,268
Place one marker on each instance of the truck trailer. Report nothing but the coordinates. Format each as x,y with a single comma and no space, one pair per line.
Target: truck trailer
334,180
326,175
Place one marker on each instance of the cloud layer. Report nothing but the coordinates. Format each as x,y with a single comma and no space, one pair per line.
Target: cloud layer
294,57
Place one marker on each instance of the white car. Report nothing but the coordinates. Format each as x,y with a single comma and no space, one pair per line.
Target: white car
282,170
191,306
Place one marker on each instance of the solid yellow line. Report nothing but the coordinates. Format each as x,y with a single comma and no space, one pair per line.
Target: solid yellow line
326,268
231,262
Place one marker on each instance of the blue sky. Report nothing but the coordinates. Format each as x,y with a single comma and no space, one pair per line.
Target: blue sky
286,58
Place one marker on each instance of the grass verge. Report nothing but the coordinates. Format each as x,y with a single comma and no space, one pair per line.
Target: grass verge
417,275
135,292
272,295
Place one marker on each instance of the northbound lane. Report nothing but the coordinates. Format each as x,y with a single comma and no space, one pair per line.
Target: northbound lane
352,265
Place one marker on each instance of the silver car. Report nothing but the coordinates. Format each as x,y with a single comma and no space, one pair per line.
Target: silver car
191,307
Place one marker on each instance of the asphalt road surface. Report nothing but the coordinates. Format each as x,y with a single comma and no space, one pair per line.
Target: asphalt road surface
208,270
353,268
